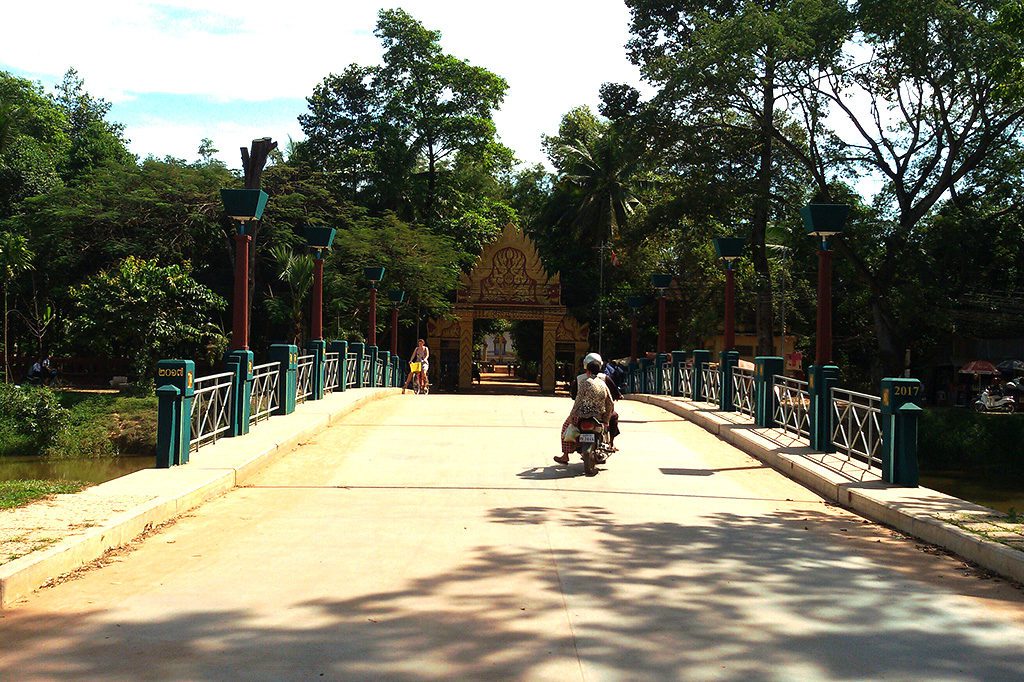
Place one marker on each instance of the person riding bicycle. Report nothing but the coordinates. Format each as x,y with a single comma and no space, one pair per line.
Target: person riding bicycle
420,354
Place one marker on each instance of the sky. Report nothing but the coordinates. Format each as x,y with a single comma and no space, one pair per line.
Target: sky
177,71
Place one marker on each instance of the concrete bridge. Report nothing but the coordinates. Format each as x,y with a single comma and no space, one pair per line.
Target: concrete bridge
429,537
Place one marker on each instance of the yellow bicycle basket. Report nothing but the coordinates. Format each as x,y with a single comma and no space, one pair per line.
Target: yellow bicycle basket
415,366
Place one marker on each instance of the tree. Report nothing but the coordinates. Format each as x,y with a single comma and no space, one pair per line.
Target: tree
94,141
724,68
295,270
395,134
15,258
144,311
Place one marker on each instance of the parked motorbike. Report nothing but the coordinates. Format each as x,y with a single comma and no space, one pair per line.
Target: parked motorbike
994,401
592,444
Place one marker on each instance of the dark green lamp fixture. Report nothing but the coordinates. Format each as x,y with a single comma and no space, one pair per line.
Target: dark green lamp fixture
661,282
397,297
375,274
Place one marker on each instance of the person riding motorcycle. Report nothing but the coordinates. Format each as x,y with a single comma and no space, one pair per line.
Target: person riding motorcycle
613,388
593,398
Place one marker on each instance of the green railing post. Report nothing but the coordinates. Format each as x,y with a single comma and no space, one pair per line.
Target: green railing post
659,380
644,364
288,356
360,351
765,369
900,412
371,352
318,347
820,382
239,363
174,415
633,379
398,377
701,359
341,348
678,362
728,361
168,425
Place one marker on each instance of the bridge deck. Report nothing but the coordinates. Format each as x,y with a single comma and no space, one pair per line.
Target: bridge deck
433,537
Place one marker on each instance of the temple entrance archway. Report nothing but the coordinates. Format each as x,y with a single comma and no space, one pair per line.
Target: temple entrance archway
508,282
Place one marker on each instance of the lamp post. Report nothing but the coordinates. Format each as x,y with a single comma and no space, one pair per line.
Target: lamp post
635,303
244,206
319,239
397,297
729,249
661,282
824,221
375,275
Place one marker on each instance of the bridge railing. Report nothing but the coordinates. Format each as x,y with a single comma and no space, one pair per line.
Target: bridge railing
304,378
686,381
211,409
743,390
378,377
712,384
792,405
366,369
856,426
666,379
265,391
331,373
350,370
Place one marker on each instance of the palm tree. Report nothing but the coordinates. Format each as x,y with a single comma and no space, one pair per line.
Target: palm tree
15,258
296,270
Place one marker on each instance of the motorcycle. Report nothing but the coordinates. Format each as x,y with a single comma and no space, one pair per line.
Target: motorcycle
592,444
993,401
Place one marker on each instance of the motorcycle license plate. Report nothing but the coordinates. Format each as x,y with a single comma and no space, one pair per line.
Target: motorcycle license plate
587,438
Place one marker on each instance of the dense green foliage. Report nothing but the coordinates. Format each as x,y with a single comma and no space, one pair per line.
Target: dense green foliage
19,493
986,445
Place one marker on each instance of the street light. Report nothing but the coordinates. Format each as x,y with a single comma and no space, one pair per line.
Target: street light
729,249
635,303
824,221
375,275
661,282
319,239
397,297
243,206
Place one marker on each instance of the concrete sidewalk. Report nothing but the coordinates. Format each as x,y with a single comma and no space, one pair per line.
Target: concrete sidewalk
77,529
961,527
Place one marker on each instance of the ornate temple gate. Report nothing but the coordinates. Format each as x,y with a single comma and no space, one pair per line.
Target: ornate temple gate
509,282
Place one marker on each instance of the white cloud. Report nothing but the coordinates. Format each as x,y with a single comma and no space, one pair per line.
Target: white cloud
554,55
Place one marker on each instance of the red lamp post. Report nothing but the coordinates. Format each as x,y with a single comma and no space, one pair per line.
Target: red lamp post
729,249
662,282
375,275
824,221
320,240
244,206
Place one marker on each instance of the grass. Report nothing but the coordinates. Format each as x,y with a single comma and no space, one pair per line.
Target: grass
19,493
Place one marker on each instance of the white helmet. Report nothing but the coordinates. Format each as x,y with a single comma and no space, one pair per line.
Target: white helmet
593,357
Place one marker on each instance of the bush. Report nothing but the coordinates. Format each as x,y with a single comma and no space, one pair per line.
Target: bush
959,439
33,419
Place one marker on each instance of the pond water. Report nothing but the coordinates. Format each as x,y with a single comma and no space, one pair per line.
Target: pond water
1002,495
88,470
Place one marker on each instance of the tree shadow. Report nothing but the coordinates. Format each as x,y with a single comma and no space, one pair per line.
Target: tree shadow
737,597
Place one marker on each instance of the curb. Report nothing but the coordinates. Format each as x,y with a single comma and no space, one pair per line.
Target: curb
203,479
895,506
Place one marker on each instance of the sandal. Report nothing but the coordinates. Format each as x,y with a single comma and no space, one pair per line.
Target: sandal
562,459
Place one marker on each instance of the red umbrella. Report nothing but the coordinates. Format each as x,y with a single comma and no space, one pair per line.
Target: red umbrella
978,367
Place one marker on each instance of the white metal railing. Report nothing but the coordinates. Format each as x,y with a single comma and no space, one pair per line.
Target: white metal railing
712,384
666,379
211,408
330,372
856,427
366,370
743,390
686,379
304,378
264,399
791,405
378,377
350,370
649,374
